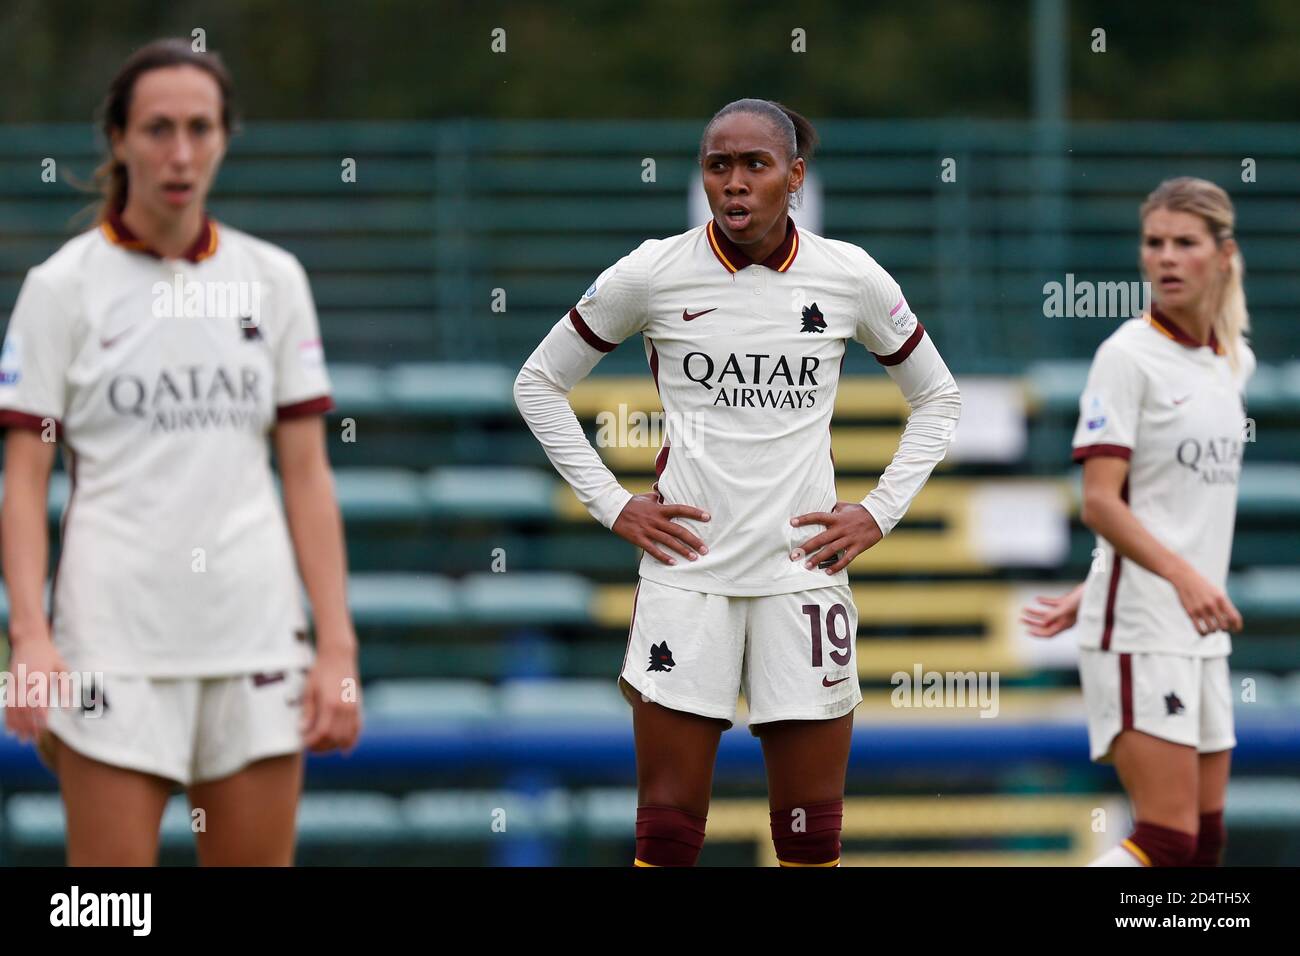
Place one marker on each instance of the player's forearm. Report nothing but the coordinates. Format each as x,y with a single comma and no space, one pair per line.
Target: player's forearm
316,527
24,533
935,401
541,394
1111,518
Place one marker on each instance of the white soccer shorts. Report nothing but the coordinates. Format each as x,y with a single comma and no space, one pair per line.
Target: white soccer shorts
792,655
190,729
1182,699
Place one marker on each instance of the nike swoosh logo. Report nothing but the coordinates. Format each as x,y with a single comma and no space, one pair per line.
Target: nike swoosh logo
687,316
1179,401
110,342
827,682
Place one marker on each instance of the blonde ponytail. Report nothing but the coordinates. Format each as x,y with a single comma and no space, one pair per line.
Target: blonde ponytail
1231,320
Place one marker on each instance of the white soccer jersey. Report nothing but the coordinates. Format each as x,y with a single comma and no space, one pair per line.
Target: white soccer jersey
163,378
1174,410
746,357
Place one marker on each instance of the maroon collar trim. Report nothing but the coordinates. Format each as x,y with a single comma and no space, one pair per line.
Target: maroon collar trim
1173,330
119,234
733,258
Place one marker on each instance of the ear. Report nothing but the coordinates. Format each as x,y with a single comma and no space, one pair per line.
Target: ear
1226,251
797,170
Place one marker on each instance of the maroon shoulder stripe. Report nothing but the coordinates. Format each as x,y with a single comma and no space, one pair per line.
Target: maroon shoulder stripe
588,336
1102,451
894,358
312,406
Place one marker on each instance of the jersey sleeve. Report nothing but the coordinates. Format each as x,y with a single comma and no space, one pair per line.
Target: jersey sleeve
616,305
38,349
885,324
1110,405
302,385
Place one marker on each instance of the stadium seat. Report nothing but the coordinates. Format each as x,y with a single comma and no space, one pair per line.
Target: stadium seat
476,814
1263,802
379,494
34,819
562,699
360,817
402,600
1267,592
533,598
452,389
417,700
357,389
502,493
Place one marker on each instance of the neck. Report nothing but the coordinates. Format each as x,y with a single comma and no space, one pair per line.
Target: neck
767,245
170,236
1195,321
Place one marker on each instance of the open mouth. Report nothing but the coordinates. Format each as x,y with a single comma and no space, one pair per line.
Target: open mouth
177,191
1171,282
736,215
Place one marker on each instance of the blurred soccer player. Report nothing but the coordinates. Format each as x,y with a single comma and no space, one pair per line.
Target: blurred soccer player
177,577
743,582
1160,434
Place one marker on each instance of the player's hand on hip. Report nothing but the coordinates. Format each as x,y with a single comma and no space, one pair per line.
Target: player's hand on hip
850,530
648,524
331,703
28,716
1057,614
1208,606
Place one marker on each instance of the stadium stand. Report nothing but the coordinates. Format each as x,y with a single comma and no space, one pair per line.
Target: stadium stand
492,610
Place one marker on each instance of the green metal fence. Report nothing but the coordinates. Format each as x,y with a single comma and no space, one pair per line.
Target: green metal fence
405,260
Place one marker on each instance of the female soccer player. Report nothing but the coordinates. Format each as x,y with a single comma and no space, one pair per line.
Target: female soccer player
743,582
161,349
1160,437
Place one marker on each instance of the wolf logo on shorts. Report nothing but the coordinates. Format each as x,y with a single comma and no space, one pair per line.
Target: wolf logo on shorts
661,658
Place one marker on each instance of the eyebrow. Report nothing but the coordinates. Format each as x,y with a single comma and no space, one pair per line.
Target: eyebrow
167,118
748,154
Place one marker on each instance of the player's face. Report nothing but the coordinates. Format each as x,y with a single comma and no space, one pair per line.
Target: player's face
747,177
1180,258
173,141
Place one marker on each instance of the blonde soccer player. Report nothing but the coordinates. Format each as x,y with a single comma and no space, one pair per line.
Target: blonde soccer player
743,582
1160,435
178,574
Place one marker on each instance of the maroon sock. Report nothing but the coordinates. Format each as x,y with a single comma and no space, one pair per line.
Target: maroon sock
810,835
1163,846
666,836
1210,840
